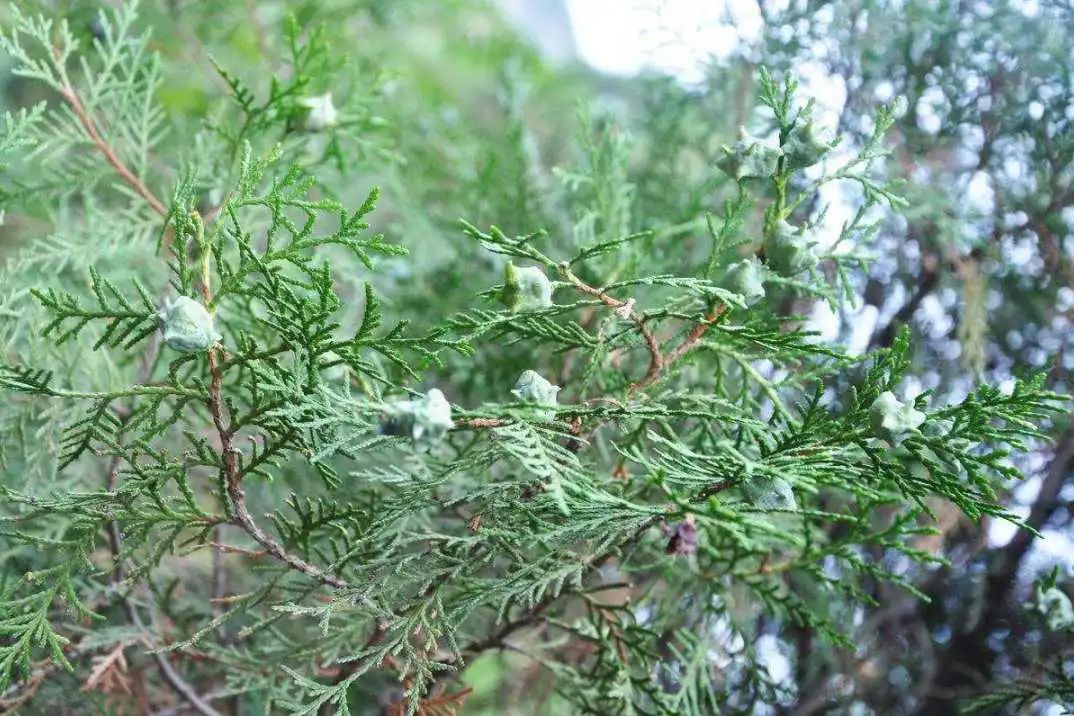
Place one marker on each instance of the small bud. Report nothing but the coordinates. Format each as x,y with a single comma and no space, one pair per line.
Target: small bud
899,107
892,419
804,147
683,540
187,326
769,493
525,288
532,388
425,420
938,428
1054,605
746,278
789,250
749,158
321,114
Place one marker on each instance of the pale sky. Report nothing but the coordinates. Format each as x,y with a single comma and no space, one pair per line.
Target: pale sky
676,37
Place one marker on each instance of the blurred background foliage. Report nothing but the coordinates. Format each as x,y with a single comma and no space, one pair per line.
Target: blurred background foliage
489,111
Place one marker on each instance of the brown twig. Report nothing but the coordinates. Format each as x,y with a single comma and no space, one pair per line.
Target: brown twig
692,339
695,335
232,549
626,310
617,637
658,360
90,126
230,457
478,423
272,547
242,516
439,705
233,477
109,672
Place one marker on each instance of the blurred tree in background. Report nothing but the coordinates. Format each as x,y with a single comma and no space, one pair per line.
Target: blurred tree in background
981,268
454,112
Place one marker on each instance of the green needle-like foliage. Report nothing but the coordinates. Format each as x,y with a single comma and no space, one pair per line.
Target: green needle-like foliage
709,466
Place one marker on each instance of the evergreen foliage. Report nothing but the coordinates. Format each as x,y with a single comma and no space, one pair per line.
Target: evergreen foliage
277,509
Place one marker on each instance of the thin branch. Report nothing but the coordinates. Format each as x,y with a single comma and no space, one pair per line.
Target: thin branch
232,549
9,706
272,547
927,282
173,678
626,310
88,124
497,639
478,423
695,335
177,710
658,361
691,340
230,454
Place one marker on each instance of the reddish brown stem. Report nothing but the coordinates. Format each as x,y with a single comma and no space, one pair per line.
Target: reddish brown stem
625,308
233,478
658,361
232,474
691,340
695,335
94,134
244,519
480,423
